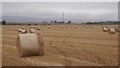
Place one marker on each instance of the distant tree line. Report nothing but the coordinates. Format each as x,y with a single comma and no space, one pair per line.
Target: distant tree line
91,22
3,22
107,22
57,22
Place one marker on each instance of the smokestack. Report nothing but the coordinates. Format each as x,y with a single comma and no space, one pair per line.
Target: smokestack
63,17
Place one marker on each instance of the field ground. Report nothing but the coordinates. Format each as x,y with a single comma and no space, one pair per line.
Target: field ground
64,47
0,45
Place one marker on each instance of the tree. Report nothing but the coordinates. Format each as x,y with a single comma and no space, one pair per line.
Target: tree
51,21
55,21
29,23
3,22
68,22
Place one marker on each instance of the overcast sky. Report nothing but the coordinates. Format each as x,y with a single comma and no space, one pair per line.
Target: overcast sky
0,11
74,11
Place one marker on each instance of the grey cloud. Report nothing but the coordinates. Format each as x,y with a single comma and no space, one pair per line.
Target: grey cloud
0,11
75,11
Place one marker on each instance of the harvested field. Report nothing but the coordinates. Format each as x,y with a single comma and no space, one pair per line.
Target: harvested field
0,45
64,47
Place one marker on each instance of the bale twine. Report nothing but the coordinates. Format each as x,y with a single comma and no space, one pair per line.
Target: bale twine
30,45
32,30
23,31
105,29
111,31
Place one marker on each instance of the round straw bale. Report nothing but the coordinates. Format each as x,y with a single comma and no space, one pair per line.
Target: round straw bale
41,41
38,28
61,26
23,31
48,26
23,27
66,26
111,31
105,29
19,30
75,26
32,30
31,26
35,26
30,45
86,26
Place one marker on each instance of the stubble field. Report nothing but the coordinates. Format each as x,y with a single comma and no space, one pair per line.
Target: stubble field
64,47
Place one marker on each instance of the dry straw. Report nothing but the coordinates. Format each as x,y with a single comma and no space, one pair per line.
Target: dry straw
111,31
32,30
86,26
19,30
105,29
61,26
30,44
23,31
35,26
48,26
66,26
75,26
31,26
23,27
38,28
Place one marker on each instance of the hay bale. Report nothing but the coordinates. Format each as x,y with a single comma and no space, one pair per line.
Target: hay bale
23,27
38,28
31,26
111,31
19,30
105,29
48,26
86,26
61,26
23,31
41,41
35,26
32,30
75,26
66,26
30,45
